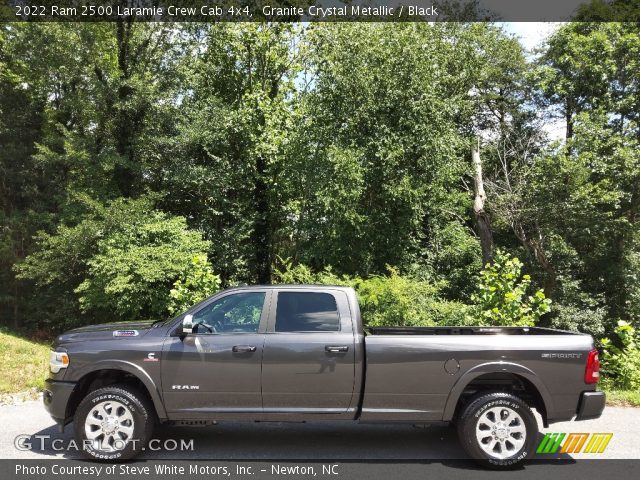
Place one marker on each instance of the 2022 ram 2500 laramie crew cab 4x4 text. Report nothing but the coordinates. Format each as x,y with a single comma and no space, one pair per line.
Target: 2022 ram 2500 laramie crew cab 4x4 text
300,353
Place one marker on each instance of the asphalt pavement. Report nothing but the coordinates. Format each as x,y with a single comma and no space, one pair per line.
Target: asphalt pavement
28,423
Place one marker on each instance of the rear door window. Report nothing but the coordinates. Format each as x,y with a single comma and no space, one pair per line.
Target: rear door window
307,312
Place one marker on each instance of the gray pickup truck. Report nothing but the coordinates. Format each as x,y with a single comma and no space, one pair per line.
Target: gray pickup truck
300,353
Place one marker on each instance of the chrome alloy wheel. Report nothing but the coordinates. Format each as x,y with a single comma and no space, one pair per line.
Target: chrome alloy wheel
501,432
109,426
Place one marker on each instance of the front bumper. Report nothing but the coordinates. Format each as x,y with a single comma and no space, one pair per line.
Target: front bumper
591,405
56,397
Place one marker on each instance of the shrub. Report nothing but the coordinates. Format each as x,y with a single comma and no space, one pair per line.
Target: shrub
390,300
501,297
288,273
621,363
397,300
118,263
134,268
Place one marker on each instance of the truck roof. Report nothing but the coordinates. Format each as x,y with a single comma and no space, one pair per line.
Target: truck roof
288,287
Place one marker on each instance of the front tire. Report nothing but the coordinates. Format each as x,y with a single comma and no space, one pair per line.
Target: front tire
498,430
113,423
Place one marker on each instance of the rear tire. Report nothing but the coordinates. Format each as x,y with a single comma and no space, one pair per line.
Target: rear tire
113,423
498,430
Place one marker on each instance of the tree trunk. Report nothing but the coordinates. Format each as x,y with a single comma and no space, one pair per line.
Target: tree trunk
17,323
125,129
568,113
536,249
262,227
483,225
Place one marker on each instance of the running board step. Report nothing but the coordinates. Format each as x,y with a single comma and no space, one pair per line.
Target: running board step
191,423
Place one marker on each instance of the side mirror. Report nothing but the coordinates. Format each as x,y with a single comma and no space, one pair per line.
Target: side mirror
187,324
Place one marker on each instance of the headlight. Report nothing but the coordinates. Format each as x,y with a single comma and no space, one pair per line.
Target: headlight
58,361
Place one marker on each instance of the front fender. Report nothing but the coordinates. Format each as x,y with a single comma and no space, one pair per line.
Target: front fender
495,367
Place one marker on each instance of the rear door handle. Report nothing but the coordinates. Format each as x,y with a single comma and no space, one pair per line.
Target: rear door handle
243,349
336,348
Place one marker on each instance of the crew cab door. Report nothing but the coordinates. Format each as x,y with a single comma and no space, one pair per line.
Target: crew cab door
217,368
308,360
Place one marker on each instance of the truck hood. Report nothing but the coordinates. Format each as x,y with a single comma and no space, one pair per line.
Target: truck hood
105,331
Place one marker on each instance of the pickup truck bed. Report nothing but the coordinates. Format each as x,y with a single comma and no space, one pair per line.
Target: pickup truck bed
439,364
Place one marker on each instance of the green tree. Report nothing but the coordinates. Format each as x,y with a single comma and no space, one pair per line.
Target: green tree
27,188
341,146
378,152
587,72
76,102
224,163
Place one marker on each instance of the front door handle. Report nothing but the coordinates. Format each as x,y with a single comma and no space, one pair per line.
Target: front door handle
243,349
336,348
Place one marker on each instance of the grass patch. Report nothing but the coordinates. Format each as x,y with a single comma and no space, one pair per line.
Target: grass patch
623,398
25,363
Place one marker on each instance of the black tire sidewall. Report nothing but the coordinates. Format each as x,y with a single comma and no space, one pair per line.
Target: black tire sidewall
142,422
471,416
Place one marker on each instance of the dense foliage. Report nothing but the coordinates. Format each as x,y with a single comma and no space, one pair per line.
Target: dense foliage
621,364
119,262
385,300
196,283
127,150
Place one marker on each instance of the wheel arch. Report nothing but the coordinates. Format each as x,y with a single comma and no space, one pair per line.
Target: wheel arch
112,372
499,374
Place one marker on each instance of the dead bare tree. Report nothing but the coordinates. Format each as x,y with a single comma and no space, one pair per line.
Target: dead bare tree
511,203
482,221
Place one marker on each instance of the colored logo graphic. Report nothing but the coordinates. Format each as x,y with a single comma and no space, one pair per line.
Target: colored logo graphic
574,443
